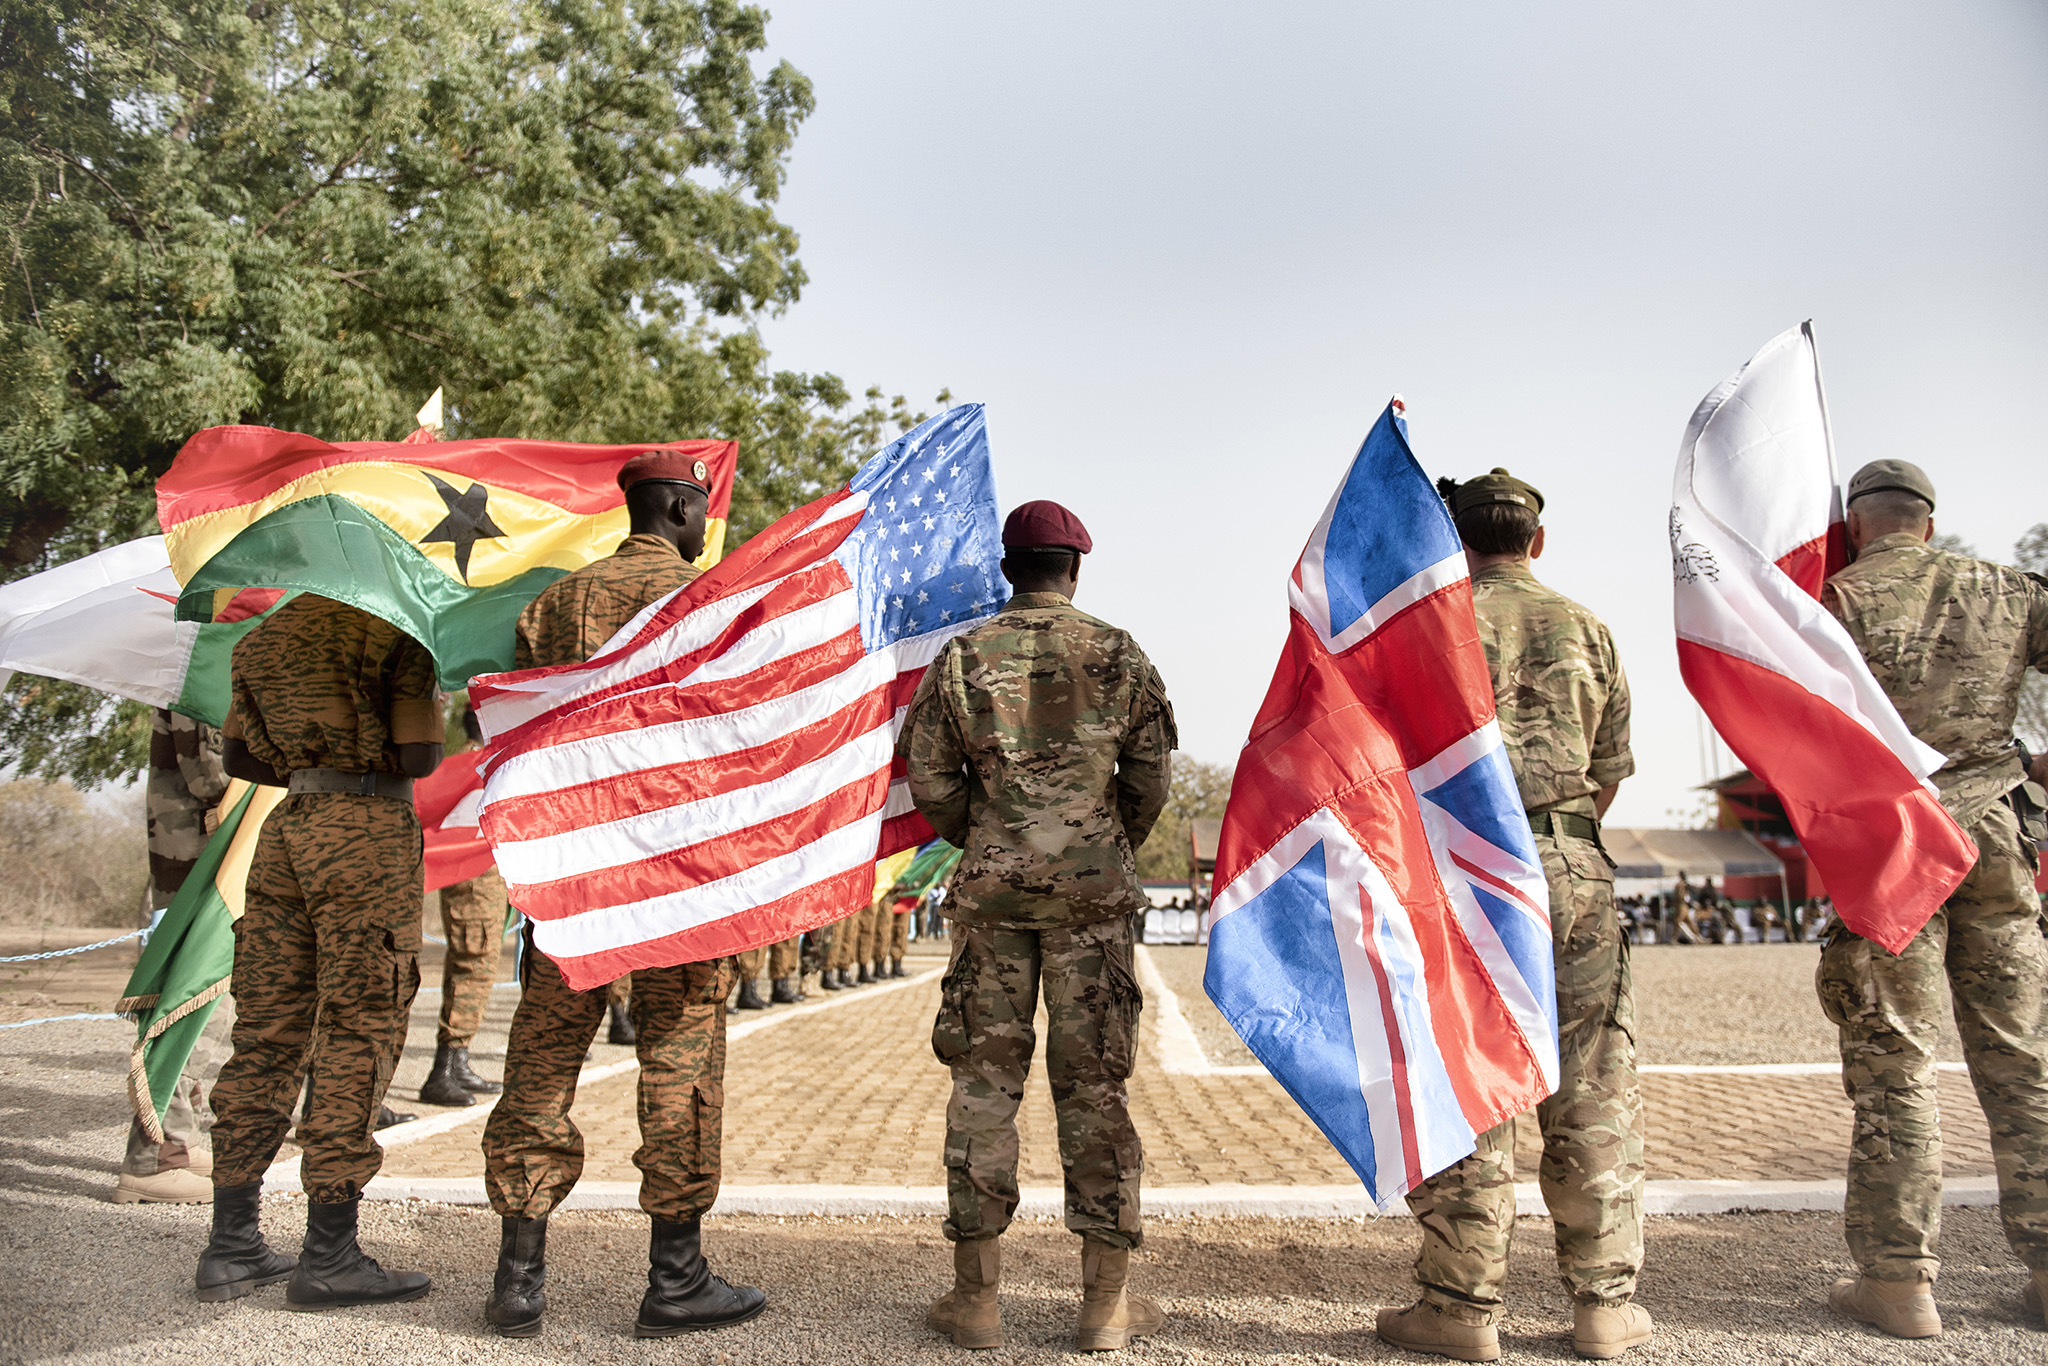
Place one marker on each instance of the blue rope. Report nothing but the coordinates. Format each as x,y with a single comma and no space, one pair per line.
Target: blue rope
56,1019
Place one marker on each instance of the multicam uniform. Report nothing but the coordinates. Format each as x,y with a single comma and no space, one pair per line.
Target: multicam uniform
1038,743
186,781
1950,639
533,1152
1563,705
332,924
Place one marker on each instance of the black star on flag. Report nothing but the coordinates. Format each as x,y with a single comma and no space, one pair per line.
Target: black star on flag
468,521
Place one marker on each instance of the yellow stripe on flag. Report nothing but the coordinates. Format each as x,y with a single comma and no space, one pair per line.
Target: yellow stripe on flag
231,880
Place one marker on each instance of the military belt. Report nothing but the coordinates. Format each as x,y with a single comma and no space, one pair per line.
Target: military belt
1554,823
392,785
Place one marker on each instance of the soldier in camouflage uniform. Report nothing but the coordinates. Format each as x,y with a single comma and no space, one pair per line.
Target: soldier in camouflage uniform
1563,705
784,967
1038,743
186,781
473,924
533,1153
340,708
1950,639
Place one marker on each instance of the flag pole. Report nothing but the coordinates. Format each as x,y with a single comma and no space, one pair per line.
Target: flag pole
1827,425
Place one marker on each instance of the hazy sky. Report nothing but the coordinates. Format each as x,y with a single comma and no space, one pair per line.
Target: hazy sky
1186,251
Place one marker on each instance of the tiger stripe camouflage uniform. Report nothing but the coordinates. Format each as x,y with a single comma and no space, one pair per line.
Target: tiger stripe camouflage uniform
331,927
186,781
1563,704
1950,638
1038,743
533,1151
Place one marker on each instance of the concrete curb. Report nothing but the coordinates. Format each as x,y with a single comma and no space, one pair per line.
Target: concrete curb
1200,1202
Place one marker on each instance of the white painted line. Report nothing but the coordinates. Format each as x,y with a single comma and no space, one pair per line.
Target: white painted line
1180,1051
783,1014
1680,1198
1762,1069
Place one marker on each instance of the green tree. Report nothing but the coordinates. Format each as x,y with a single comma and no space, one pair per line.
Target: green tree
309,214
1195,791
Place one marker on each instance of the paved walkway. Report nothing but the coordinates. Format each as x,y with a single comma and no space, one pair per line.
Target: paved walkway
849,1095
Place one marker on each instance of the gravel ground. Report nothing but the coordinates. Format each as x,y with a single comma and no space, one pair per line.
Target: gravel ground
1711,1005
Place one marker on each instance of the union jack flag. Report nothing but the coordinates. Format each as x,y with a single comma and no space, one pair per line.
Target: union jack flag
1380,933
722,774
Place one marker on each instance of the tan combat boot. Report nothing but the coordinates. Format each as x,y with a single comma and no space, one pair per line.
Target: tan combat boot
1110,1315
1426,1326
969,1314
1601,1331
1905,1309
2035,1297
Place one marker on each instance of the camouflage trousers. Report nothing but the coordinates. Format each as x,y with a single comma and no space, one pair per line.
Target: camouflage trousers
1592,1169
984,1034
188,1118
473,923
779,960
1987,941
331,932
892,936
854,938
533,1151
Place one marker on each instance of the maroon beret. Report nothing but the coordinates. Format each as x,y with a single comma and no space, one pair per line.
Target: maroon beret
675,467
1045,525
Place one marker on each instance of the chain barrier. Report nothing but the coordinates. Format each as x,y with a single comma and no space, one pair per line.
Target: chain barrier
55,1019
83,948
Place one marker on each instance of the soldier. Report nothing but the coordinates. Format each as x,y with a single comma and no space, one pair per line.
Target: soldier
1950,639
473,923
533,1152
783,964
186,780
339,708
1563,705
1038,743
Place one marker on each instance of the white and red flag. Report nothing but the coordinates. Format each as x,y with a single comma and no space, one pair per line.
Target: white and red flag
1756,528
721,775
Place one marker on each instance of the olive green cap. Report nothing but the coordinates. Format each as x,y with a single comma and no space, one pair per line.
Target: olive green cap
1496,487
1903,475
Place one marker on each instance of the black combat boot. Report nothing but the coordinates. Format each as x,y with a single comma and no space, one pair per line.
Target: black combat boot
519,1293
828,980
441,1087
237,1261
787,991
897,970
682,1294
750,997
386,1117
867,975
622,1030
466,1076
334,1273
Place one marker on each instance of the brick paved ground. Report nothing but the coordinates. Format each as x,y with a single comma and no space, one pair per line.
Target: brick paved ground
852,1096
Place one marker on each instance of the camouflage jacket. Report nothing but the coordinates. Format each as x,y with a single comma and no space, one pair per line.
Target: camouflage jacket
325,685
576,614
1558,688
1038,743
1949,639
185,781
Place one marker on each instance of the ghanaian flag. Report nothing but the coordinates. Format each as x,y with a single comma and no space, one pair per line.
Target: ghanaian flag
446,540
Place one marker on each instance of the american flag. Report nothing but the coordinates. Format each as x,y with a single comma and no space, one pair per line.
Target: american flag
1380,934
721,774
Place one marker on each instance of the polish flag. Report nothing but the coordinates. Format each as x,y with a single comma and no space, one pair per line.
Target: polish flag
1756,528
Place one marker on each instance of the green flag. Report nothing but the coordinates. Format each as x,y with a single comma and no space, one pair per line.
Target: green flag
190,959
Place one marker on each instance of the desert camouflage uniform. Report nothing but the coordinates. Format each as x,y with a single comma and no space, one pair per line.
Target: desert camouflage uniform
332,921
780,960
186,781
473,923
533,1152
1950,639
1563,703
1038,743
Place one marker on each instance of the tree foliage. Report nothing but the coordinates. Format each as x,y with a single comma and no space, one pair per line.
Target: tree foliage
1195,791
310,214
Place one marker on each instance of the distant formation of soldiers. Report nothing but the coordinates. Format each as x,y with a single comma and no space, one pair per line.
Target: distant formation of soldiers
1038,742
